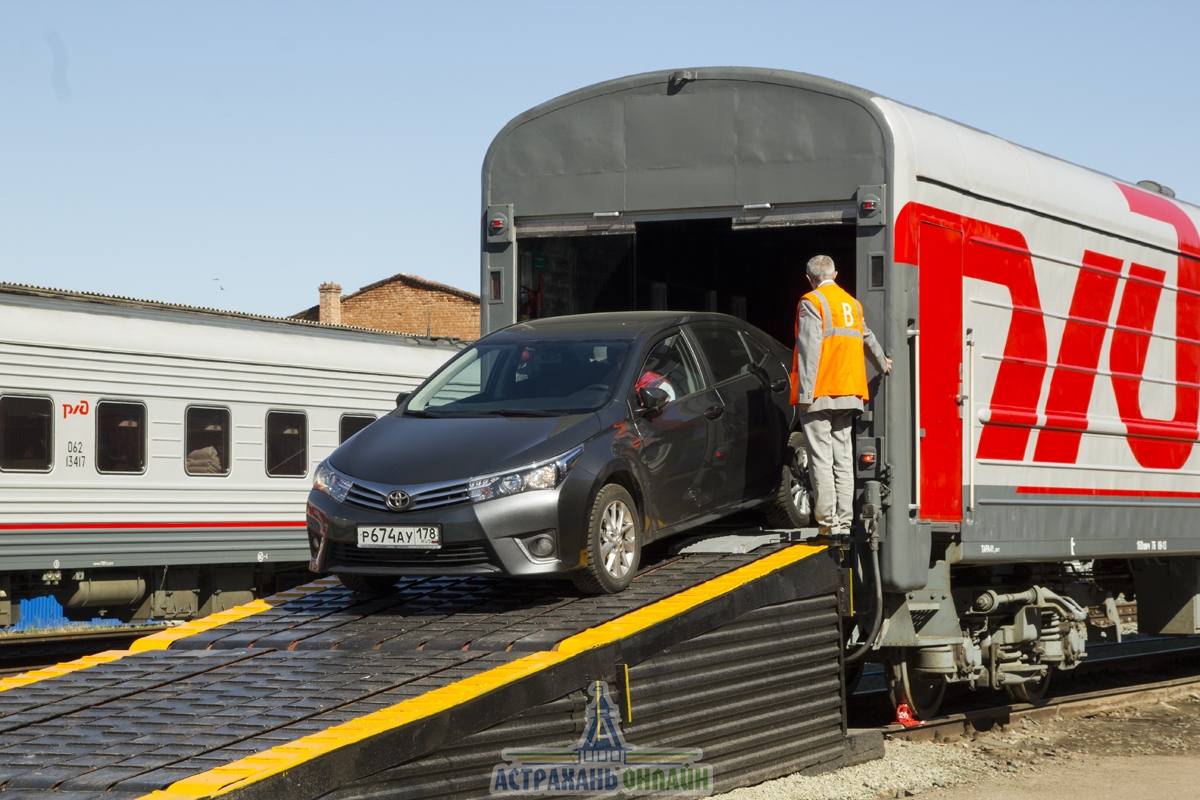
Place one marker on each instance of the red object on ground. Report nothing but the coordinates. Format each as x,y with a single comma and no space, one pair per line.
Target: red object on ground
904,716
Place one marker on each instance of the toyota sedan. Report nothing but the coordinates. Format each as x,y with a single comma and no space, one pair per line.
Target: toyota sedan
560,447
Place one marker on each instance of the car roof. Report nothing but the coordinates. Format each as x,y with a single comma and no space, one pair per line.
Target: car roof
620,322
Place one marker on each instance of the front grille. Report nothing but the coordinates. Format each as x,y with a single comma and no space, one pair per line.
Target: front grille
438,497
450,556
366,498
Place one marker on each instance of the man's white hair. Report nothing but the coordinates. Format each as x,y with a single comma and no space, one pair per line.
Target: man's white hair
820,268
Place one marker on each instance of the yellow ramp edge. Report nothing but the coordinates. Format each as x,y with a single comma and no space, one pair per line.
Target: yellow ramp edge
164,639
259,766
33,676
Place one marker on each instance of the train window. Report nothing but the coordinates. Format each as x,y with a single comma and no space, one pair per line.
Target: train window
352,424
287,444
207,441
120,437
25,433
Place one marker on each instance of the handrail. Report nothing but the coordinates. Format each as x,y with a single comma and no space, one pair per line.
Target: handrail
969,419
915,335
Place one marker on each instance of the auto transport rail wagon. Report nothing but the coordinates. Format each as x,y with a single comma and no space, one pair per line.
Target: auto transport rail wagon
155,459
1034,450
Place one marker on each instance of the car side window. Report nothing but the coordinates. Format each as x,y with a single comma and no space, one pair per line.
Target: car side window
758,351
721,345
672,368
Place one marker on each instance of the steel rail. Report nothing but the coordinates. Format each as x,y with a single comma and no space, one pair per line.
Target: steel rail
13,640
1067,706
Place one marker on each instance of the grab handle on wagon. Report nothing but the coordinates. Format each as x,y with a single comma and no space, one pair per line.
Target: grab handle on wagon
915,335
970,418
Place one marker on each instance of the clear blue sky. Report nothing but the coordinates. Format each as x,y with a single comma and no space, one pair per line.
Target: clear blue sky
148,148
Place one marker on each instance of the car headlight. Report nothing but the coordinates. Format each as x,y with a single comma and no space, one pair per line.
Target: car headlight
331,482
543,475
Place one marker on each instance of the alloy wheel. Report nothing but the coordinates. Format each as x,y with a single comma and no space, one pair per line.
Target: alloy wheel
800,497
617,539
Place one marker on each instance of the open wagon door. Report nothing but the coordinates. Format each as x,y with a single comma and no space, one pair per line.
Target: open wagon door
939,347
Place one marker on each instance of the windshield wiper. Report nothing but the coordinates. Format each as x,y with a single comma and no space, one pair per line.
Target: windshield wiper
412,412
513,412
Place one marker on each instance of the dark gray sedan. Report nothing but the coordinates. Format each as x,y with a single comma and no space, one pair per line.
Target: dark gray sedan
561,447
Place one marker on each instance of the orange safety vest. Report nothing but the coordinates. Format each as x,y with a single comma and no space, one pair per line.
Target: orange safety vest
842,370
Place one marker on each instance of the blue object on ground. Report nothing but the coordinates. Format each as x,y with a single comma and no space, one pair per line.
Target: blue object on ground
40,613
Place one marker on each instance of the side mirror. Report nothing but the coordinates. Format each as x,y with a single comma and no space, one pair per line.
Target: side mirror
400,398
652,399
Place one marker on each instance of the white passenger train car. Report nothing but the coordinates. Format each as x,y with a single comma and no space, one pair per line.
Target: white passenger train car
155,459
1038,437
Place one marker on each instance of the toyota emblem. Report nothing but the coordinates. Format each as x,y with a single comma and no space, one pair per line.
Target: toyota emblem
398,500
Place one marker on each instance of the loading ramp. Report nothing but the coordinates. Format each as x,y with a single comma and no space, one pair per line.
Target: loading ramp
319,692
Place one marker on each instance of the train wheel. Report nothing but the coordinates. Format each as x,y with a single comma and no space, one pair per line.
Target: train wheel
367,584
1032,692
923,695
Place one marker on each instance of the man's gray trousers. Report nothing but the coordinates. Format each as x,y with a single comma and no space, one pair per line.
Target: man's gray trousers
830,441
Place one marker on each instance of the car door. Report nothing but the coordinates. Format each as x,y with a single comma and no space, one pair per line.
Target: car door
775,364
750,437
678,440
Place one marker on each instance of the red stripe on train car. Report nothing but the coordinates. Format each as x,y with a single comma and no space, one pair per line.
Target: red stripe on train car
1100,492
42,526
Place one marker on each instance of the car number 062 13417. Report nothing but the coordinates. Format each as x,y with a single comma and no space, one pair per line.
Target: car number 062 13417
425,537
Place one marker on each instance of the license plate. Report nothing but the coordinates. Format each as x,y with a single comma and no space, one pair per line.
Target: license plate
424,537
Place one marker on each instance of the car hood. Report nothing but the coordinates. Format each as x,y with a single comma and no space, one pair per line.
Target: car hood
404,451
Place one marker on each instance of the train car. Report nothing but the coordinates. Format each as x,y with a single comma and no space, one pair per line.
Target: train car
1032,453
155,458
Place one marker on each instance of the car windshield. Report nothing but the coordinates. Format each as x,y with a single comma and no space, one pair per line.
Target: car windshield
525,377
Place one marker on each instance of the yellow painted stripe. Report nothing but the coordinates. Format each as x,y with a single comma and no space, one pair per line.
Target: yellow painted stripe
164,639
281,758
33,676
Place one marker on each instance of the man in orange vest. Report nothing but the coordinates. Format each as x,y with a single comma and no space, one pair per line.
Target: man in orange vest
829,383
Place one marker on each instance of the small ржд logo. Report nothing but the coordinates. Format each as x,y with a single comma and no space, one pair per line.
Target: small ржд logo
398,500
602,762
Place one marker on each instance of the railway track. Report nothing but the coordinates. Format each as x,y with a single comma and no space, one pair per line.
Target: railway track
1093,687
23,652
1075,705
1126,612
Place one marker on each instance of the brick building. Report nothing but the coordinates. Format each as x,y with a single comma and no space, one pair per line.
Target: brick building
401,303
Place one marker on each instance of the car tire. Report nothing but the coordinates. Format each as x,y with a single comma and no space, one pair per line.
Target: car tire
367,584
614,543
791,506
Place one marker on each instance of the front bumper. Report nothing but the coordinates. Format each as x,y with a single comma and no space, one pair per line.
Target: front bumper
477,538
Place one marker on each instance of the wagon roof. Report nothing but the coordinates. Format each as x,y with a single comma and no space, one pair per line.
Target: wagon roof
26,290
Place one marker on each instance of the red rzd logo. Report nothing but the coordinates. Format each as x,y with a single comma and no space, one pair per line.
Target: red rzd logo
81,409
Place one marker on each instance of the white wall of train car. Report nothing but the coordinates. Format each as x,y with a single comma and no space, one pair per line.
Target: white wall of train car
1068,248
71,352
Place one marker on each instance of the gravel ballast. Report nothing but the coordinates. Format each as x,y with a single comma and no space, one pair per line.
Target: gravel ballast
1031,752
